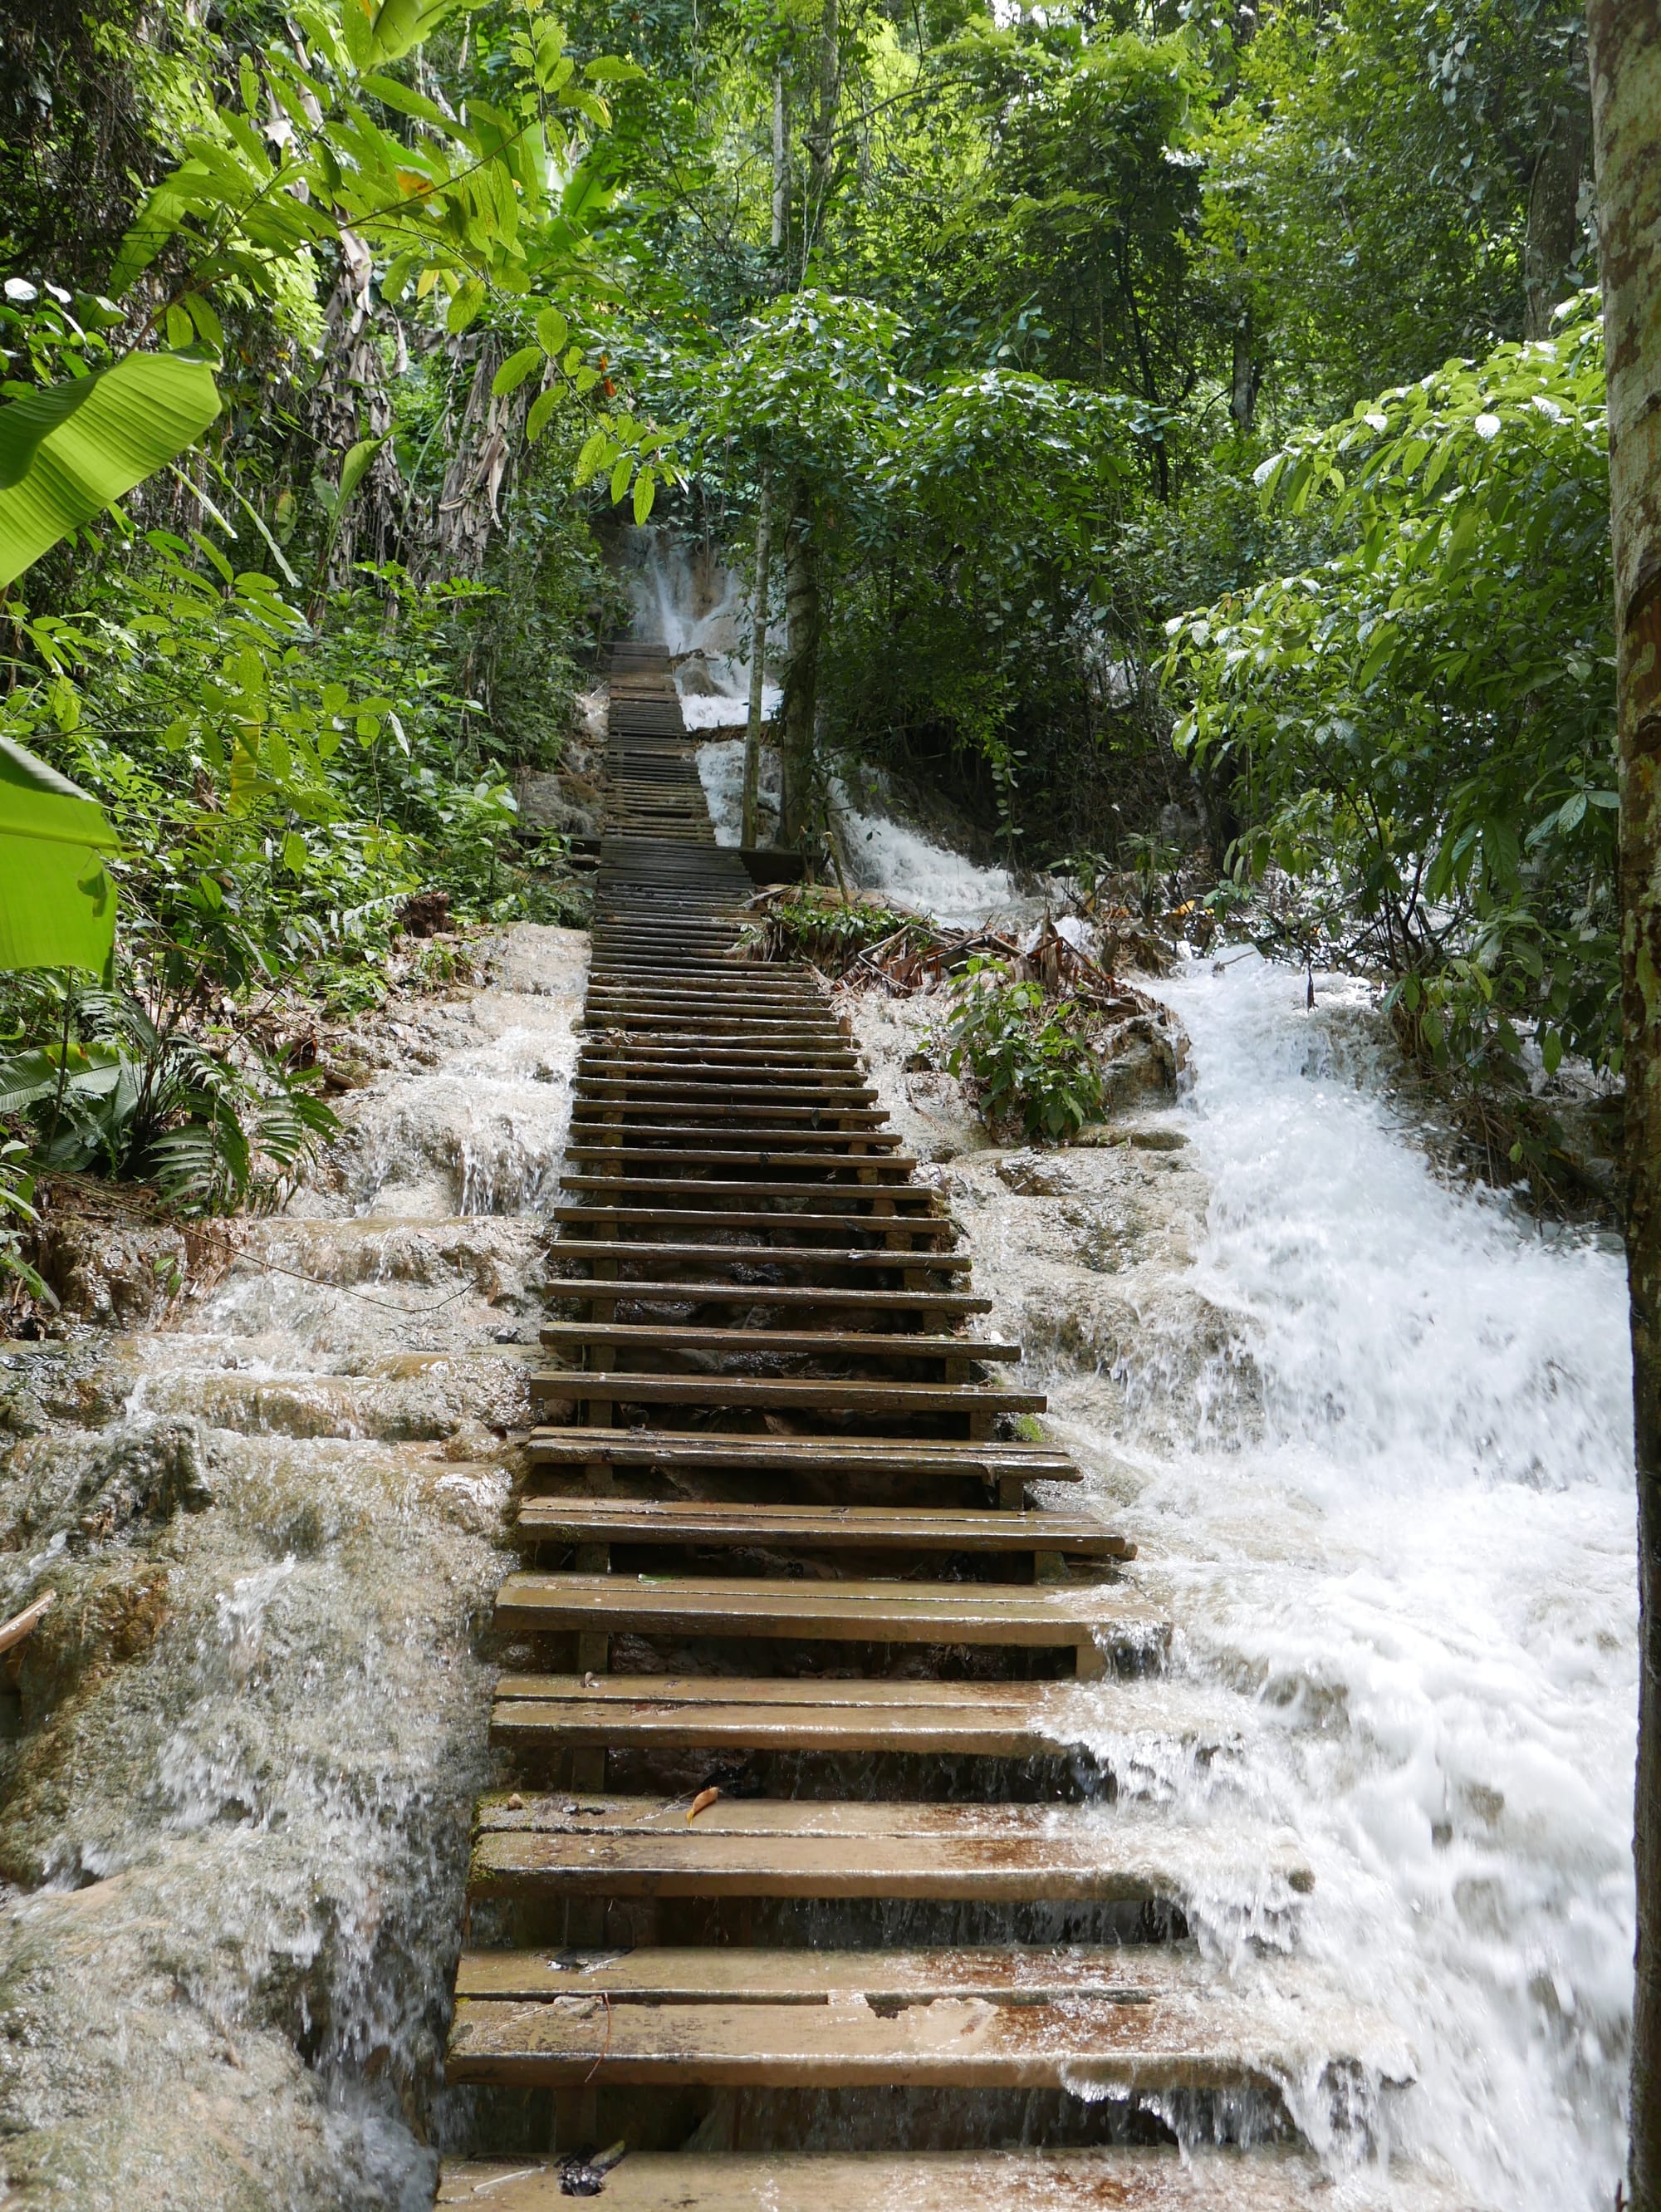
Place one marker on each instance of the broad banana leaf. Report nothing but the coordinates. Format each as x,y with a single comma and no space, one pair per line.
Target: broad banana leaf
68,452
57,900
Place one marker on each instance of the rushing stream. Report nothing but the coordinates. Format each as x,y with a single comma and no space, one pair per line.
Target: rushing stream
1372,1435
1404,1516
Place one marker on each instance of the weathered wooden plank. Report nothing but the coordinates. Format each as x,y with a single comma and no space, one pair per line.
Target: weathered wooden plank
1045,1618
677,1449
785,1297
560,1845
982,1720
1116,2180
651,1520
1090,2046
788,1392
760,1255
828,1343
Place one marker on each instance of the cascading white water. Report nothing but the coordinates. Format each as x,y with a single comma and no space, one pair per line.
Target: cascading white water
694,607
1406,1520
1373,1438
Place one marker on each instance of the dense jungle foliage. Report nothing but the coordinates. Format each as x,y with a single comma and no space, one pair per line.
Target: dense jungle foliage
1170,422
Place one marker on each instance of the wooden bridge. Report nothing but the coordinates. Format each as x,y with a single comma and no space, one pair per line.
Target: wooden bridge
782,1545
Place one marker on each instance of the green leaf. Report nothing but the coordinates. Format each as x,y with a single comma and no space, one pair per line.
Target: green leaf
619,475
465,306
391,94
181,331
552,330
67,452
645,491
356,466
542,407
515,370
57,900
293,853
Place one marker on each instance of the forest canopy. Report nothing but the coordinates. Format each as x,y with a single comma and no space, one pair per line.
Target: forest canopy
1172,422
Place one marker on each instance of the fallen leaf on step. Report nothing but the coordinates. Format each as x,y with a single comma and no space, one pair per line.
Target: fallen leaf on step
705,1797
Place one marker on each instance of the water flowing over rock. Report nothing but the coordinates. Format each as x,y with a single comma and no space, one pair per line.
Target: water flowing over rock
242,1747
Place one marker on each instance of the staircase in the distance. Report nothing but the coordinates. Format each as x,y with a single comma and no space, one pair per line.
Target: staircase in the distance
809,1888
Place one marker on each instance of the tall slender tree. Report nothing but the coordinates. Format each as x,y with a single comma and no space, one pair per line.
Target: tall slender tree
1626,82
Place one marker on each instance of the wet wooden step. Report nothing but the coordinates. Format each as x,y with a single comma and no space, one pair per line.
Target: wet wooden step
634,1160
644,1105
543,1713
1093,2021
558,1844
827,1344
736,1137
814,1528
602,1217
678,1450
1009,1615
711,1256
1114,2180
785,1298
789,1394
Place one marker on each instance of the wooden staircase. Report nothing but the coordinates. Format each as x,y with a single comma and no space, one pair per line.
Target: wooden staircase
804,1676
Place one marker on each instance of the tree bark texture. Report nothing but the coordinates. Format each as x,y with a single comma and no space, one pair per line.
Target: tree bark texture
803,619
1626,90
1554,220
1243,380
780,162
822,139
758,660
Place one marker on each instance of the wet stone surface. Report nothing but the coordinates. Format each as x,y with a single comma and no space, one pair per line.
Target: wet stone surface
238,1756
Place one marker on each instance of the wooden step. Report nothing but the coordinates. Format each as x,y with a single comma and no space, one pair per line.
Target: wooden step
667,1713
794,1297
733,1137
1114,2180
640,1104
813,1527
1009,1615
815,1343
558,1844
632,1160
819,1186
760,1255
600,1218
1090,2020
680,1450
789,1394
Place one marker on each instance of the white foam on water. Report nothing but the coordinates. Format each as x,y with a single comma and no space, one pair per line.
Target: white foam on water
1403,1512
889,856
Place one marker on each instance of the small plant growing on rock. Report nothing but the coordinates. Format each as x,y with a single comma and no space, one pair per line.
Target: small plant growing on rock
1028,1057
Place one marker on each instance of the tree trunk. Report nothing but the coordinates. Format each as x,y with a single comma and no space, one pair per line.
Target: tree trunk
1554,221
1243,385
803,618
1626,88
780,161
822,139
758,658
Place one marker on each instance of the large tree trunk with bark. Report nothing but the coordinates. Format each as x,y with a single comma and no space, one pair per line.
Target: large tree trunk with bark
1553,219
1625,87
804,620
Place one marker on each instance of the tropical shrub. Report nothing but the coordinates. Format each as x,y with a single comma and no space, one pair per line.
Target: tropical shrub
1420,731
1030,1057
